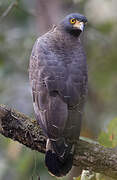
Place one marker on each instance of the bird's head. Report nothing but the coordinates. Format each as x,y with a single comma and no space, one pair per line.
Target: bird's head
74,23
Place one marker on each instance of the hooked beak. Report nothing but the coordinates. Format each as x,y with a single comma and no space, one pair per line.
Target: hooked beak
79,25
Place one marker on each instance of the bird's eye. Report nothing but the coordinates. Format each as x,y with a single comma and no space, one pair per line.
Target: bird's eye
73,21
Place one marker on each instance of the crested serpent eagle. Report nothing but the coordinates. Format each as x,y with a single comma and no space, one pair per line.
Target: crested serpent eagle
58,76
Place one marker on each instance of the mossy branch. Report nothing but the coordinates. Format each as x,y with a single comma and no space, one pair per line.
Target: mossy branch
88,156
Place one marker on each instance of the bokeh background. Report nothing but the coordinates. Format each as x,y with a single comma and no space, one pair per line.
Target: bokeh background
21,22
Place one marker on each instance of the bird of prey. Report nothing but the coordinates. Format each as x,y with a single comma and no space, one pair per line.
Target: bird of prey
58,76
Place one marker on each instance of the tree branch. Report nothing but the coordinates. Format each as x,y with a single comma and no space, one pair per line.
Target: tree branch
88,156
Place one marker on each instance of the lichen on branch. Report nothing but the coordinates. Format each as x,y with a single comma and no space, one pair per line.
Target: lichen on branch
88,156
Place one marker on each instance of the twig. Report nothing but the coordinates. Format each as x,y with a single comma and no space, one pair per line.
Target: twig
88,156
7,11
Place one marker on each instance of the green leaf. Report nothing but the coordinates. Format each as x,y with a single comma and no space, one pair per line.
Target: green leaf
109,138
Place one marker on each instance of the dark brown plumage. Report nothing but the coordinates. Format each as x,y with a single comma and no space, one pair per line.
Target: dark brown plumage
58,75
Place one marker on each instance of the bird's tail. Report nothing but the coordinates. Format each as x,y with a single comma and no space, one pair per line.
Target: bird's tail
59,157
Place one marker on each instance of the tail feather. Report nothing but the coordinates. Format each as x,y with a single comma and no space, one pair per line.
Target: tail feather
59,165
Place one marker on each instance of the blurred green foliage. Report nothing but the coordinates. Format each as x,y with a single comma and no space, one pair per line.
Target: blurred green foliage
17,35
109,138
